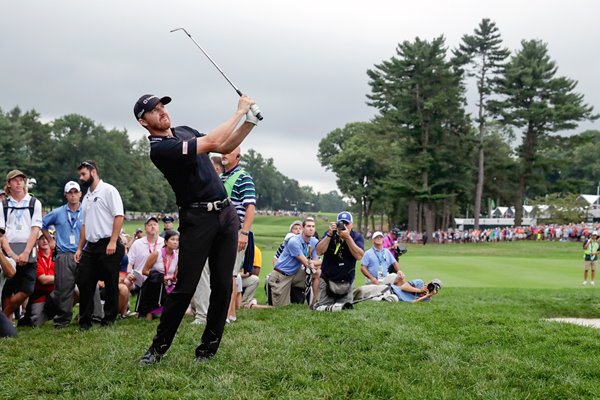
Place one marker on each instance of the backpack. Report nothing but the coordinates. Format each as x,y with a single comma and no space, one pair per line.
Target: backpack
31,207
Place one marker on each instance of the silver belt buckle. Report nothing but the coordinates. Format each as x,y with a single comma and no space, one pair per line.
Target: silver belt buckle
216,205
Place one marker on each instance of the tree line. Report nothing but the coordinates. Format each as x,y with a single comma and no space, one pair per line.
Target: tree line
50,152
423,160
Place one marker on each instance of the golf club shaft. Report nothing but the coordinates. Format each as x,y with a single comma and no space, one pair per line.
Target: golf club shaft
255,110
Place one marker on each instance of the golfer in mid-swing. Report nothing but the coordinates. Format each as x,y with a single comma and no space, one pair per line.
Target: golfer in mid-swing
208,223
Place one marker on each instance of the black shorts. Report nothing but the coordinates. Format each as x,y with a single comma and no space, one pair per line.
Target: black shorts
22,281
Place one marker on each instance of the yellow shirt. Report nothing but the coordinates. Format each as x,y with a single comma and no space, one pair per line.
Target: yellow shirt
257,258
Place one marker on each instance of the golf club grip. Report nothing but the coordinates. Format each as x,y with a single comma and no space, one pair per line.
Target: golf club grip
256,111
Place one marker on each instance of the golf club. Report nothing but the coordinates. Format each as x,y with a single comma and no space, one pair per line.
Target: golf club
255,110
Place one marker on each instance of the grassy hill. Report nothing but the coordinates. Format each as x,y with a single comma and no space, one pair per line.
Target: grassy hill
483,336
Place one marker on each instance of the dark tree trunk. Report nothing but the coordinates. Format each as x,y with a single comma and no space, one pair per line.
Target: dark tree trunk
413,215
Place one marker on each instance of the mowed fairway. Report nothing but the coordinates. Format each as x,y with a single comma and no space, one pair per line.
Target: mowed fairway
484,336
512,265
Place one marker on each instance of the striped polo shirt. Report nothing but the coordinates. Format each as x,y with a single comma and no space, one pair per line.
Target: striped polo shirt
243,193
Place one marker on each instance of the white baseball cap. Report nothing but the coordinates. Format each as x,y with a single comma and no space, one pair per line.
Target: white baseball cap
376,234
72,185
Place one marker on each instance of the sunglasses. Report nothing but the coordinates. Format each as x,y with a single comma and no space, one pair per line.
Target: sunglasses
86,165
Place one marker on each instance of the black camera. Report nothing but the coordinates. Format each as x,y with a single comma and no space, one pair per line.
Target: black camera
340,225
400,250
433,287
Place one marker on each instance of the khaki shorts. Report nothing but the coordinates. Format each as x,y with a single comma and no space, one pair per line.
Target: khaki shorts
593,265
281,286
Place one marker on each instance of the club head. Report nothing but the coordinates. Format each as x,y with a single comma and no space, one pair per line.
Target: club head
180,29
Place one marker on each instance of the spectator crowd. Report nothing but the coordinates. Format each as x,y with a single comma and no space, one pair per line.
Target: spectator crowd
551,232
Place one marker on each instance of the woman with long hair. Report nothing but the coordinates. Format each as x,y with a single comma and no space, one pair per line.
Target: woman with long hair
161,278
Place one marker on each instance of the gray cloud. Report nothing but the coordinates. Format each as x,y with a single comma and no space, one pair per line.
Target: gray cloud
305,63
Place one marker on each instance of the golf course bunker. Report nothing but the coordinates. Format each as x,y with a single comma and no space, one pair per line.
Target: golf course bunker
589,322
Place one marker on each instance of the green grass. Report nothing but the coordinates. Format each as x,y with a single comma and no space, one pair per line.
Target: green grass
483,336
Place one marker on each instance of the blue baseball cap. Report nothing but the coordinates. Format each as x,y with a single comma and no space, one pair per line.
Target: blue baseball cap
345,216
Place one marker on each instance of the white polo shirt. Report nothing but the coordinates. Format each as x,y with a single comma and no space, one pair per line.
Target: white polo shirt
139,252
100,208
19,222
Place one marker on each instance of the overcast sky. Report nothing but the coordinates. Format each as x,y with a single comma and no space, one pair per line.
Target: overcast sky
304,62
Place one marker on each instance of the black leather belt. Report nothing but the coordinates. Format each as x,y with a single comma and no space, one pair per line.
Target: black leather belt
210,205
280,271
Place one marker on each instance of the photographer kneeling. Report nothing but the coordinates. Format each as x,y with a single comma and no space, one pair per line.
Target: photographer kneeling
341,247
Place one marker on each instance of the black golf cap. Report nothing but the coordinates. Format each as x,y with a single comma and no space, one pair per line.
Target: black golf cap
147,103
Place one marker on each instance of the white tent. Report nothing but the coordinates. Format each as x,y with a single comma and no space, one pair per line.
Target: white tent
499,212
589,198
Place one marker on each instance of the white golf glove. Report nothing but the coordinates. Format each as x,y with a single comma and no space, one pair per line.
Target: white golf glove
250,117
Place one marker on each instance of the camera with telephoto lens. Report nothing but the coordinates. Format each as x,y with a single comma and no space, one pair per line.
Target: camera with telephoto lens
340,225
433,287
337,307
400,250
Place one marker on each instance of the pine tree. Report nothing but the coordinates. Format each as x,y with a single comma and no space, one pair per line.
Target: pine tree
482,54
540,103
420,97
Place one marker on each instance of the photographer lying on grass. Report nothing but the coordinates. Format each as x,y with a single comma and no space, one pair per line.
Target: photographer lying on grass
411,291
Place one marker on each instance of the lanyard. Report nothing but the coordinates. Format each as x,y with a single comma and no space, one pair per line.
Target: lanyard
73,217
167,262
150,249
306,249
18,211
379,259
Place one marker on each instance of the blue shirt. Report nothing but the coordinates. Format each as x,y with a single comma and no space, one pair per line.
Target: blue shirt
408,296
377,261
66,223
296,246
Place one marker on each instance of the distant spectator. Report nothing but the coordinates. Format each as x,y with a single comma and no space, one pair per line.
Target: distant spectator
167,225
67,221
241,190
99,251
7,270
217,163
298,263
249,279
590,257
375,265
295,229
40,307
161,270
21,220
124,288
390,241
140,250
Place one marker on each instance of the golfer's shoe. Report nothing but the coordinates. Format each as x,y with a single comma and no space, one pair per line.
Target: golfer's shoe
150,357
202,357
